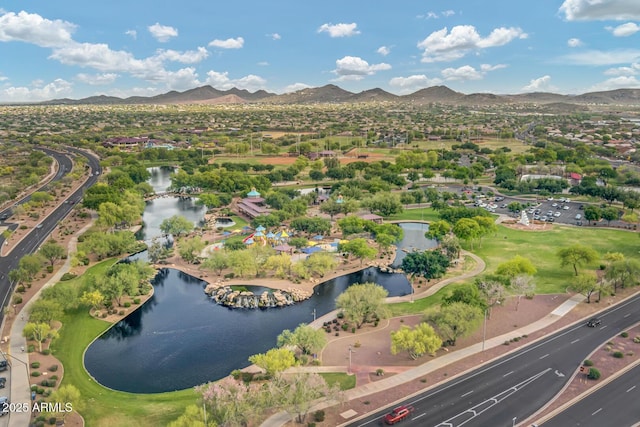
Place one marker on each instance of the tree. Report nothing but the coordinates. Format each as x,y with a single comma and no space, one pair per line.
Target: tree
306,338
514,207
231,402
176,225
360,302
623,273
297,393
331,207
209,200
274,361
585,284
516,266
467,229
320,263
576,255
94,299
190,248
467,293
610,214
31,264
455,320
384,241
487,226
68,398
522,285
420,340
494,292
38,332
592,213
45,311
450,246
191,417
240,262
359,248
52,252
438,229
158,252
428,264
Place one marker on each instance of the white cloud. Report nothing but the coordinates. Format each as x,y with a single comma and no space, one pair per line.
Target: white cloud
59,88
599,57
624,30
448,13
355,68
230,43
434,15
485,68
541,84
132,33
162,33
33,28
263,63
621,82
339,30
274,36
296,87
574,42
97,56
466,72
187,57
222,81
632,70
413,83
594,10
97,79
384,50
443,45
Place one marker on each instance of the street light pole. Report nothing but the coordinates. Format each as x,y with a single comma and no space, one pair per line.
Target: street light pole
514,422
314,314
484,329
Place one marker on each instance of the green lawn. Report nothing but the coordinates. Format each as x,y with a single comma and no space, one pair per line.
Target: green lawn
102,406
541,247
346,382
416,214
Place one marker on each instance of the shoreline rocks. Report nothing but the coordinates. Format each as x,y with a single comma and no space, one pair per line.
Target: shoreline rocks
224,294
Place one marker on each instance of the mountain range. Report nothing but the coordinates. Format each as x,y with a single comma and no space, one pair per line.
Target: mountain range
334,94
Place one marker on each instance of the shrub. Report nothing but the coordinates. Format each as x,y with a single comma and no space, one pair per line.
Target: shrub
53,377
318,415
588,362
345,326
17,299
35,374
353,330
46,352
136,300
340,315
53,368
23,227
127,304
624,334
39,390
31,348
52,420
67,276
229,276
21,289
104,315
35,365
380,372
618,354
121,312
49,268
34,387
594,374
636,339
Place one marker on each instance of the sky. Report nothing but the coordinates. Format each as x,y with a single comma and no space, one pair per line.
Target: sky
75,48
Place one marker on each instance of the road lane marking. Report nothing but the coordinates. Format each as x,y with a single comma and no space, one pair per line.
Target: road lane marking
418,416
627,315
467,394
507,374
596,412
546,355
575,341
603,327
631,389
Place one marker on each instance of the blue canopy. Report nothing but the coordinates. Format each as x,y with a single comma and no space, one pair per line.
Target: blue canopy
311,250
318,237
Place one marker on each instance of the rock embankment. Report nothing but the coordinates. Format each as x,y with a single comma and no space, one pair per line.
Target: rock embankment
224,294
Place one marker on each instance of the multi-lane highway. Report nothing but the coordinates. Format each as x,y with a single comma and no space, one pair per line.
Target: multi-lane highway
38,235
515,386
615,404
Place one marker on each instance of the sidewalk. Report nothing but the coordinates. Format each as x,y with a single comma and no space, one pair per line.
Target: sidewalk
281,418
20,381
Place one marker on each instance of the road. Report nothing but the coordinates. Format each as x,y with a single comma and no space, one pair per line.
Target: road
37,236
515,386
615,404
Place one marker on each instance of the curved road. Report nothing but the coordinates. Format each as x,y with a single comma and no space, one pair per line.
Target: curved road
515,386
37,236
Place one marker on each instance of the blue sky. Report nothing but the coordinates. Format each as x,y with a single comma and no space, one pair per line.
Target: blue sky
75,49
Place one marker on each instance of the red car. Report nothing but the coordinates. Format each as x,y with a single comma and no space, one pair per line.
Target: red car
398,414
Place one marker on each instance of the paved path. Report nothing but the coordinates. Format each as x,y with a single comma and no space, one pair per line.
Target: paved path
400,378
19,380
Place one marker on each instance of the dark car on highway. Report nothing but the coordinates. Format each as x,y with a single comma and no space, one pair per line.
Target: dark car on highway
592,323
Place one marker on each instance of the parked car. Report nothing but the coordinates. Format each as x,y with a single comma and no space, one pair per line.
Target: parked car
3,365
3,382
398,414
593,322
4,405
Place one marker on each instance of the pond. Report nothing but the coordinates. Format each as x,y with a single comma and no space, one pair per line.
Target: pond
180,338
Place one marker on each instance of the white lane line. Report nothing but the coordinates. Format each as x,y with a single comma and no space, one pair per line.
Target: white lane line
508,373
627,315
575,341
467,394
421,415
546,355
596,411
603,327
631,389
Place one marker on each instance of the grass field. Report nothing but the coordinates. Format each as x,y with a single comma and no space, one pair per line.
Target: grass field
416,214
346,382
